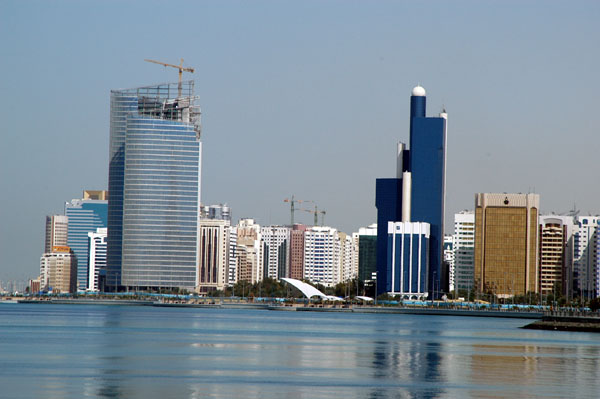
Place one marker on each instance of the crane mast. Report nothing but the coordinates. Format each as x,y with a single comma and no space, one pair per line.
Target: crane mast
293,208
316,213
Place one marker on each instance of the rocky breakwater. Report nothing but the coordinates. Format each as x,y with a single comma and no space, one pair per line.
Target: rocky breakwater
568,321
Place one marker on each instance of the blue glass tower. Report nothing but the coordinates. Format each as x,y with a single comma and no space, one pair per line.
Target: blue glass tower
426,164
85,216
428,169
388,200
154,188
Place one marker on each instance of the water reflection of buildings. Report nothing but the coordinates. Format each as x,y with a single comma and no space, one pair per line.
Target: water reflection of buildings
519,370
303,363
503,365
413,366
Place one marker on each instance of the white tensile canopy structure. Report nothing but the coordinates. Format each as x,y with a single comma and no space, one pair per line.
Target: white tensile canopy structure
309,291
364,298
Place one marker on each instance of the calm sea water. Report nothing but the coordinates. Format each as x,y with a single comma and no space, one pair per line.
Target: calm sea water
79,351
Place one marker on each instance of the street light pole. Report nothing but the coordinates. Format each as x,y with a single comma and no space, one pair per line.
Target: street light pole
374,276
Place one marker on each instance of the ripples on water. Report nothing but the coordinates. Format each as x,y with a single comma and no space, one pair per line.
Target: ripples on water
62,351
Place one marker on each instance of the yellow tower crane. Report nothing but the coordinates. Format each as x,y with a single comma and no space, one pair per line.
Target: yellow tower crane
180,67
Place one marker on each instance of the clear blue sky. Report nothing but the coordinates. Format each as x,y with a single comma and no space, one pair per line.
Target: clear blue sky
301,97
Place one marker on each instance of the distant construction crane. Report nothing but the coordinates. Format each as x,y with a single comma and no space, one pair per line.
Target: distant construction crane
180,67
316,213
293,208
573,212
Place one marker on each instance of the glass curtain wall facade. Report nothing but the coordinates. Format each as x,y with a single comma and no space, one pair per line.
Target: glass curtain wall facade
367,256
506,243
417,193
428,169
388,200
154,187
85,216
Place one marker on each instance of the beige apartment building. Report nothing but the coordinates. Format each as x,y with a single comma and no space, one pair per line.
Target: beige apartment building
58,270
57,227
95,195
553,234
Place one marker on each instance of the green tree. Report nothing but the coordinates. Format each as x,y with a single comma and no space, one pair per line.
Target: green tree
595,304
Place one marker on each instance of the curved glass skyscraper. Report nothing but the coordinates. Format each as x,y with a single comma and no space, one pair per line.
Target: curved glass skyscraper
154,187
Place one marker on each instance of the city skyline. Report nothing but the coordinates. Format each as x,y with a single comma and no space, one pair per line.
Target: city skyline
302,102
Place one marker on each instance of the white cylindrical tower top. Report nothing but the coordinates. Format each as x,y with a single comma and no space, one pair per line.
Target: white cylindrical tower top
406,196
418,91
400,160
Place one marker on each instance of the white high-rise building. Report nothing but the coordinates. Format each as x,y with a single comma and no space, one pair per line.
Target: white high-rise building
232,276
347,258
463,246
449,258
275,243
355,253
586,269
322,251
97,260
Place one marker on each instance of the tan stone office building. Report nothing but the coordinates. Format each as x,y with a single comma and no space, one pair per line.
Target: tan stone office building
506,243
58,270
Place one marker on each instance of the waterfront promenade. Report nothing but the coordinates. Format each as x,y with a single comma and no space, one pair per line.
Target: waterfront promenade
556,320
440,309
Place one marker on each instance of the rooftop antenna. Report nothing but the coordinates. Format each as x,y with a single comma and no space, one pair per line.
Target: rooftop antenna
181,70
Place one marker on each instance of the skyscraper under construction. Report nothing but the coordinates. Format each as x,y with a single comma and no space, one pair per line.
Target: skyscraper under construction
154,187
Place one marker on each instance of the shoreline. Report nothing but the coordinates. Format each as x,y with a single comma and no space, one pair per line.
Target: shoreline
555,321
435,311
